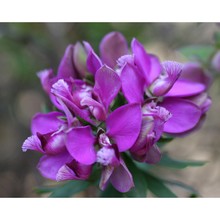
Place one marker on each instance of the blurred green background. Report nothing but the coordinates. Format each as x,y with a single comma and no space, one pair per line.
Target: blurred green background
26,48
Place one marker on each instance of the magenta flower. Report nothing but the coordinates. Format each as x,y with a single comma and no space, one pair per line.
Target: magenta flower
118,137
145,148
114,105
112,47
169,79
89,103
48,137
192,81
142,74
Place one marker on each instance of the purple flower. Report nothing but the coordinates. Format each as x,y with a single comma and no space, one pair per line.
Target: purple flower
112,47
186,96
146,76
80,141
142,75
149,152
47,133
63,167
112,104
87,102
114,169
192,81
70,95
122,125
49,137
66,70
152,127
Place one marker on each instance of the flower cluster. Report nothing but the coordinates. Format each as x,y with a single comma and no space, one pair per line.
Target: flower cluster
121,101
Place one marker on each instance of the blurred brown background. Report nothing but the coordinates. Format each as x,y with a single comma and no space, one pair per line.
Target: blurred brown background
26,48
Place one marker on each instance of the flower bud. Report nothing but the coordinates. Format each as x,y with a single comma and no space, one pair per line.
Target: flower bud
104,140
80,57
171,72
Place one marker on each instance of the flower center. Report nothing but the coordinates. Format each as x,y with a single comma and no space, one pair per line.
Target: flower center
105,156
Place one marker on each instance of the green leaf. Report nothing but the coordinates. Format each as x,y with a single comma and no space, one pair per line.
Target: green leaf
119,101
217,39
45,108
197,52
182,185
178,164
143,166
111,192
164,140
42,190
140,189
69,189
158,188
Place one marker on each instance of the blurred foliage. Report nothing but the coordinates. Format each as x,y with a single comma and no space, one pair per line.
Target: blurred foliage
201,53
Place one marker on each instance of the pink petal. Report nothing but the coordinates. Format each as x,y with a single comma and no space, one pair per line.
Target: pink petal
50,165
132,84
93,61
66,173
61,89
185,115
82,113
184,88
106,174
107,85
74,171
192,81
203,101
148,65
153,155
155,68
44,123
124,124
66,68
69,116
95,108
194,72
80,144
141,58
121,178
32,143
83,171
147,126
113,46
165,81
55,144
47,78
